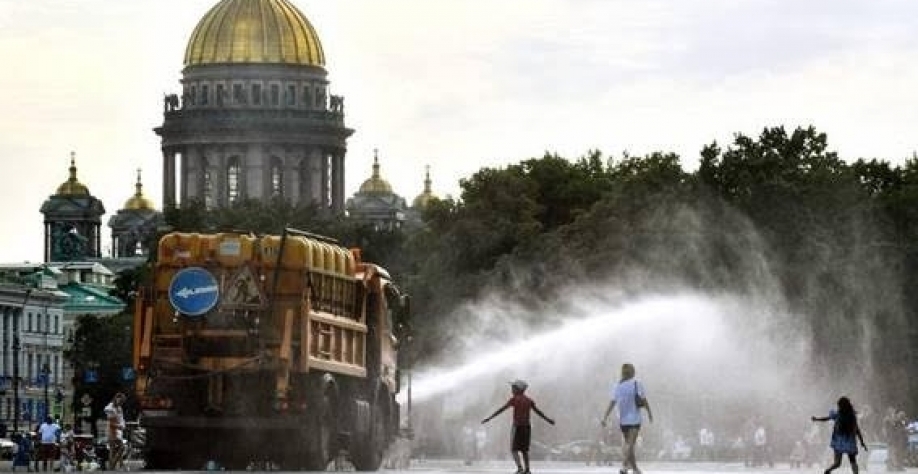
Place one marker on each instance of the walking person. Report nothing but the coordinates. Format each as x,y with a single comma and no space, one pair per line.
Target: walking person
48,433
629,395
115,414
522,430
845,434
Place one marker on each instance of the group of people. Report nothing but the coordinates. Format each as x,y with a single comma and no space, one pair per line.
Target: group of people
629,396
55,443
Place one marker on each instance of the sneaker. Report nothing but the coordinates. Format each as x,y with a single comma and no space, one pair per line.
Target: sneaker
622,471
520,470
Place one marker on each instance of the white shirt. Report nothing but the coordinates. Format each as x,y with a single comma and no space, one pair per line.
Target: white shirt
48,432
115,414
623,395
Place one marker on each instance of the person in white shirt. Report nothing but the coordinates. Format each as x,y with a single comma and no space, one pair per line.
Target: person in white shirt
116,425
630,397
48,432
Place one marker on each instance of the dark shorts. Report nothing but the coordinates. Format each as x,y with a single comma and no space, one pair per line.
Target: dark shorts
47,451
628,429
521,438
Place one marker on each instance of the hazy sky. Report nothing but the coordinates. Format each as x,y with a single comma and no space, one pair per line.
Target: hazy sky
461,84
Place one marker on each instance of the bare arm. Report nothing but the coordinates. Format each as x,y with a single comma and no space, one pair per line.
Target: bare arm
539,412
498,412
608,410
649,411
820,418
857,429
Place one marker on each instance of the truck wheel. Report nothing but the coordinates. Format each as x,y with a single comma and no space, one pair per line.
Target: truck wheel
324,433
369,452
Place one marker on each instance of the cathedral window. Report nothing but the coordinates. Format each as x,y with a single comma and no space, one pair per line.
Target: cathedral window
194,95
207,185
233,171
275,95
219,96
256,94
238,94
307,96
277,177
204,93
291,95
320,98
305,181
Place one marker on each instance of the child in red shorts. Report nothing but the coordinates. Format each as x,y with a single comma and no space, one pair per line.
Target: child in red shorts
522,430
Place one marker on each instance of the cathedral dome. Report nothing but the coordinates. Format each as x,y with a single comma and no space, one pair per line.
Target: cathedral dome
254,31
375,185
138,202
72,187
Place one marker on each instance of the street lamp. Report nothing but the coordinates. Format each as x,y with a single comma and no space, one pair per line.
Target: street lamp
46,376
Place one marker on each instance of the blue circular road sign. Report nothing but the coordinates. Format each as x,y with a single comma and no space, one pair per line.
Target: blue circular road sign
193,291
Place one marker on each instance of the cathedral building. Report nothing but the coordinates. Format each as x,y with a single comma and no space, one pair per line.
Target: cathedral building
255,118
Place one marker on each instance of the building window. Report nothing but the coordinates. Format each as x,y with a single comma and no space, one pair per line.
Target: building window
205,92
305,182
29,326
320,98
275,95
56,321
238,94
219,96
194,95
29,363
307,96
256,94
233,171
207,184
291,95
277,177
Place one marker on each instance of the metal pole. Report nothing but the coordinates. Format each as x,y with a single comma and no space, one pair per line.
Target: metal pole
16,317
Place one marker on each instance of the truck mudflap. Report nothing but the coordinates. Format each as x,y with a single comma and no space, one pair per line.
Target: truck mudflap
210,422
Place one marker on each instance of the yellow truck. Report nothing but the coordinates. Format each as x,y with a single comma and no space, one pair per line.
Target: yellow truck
270,351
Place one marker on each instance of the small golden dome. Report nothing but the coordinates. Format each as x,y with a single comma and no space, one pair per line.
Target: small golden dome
425,197
72,187
254,31
376,185
138,202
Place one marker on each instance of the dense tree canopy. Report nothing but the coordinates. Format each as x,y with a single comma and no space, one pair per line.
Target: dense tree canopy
779,212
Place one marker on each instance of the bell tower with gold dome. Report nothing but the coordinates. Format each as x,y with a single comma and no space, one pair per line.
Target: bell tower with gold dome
73,217
134,226
376,203
255,119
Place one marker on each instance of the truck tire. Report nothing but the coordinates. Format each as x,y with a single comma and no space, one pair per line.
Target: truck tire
323,434
368,454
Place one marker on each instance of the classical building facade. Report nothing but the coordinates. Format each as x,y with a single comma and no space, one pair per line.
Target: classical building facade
254,119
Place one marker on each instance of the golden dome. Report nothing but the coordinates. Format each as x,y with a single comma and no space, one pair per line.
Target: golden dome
138,202
376,185
254,31
72,187
425,197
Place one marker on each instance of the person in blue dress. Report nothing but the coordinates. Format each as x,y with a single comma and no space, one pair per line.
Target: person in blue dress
845,434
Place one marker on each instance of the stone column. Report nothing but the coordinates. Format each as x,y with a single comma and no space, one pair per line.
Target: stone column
337,177
168,178
326,175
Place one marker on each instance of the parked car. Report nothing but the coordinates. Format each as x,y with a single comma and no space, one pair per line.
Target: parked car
540,451
7,448
877,454
581,450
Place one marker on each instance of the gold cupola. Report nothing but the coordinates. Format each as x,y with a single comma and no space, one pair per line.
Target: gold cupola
254,31
376,185
138,202
425,197
72,187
